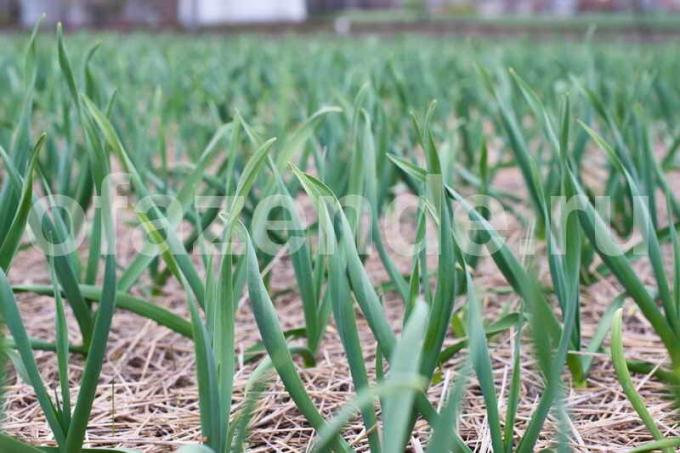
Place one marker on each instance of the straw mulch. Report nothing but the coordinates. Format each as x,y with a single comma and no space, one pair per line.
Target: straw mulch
148,397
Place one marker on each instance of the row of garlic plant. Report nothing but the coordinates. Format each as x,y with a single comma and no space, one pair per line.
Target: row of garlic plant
361,131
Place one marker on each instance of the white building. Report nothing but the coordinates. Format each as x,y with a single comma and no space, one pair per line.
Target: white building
190,13
196,13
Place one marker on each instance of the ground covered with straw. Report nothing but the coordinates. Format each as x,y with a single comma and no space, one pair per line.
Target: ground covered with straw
148,397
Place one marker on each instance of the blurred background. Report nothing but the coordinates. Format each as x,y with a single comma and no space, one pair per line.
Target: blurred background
336,14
